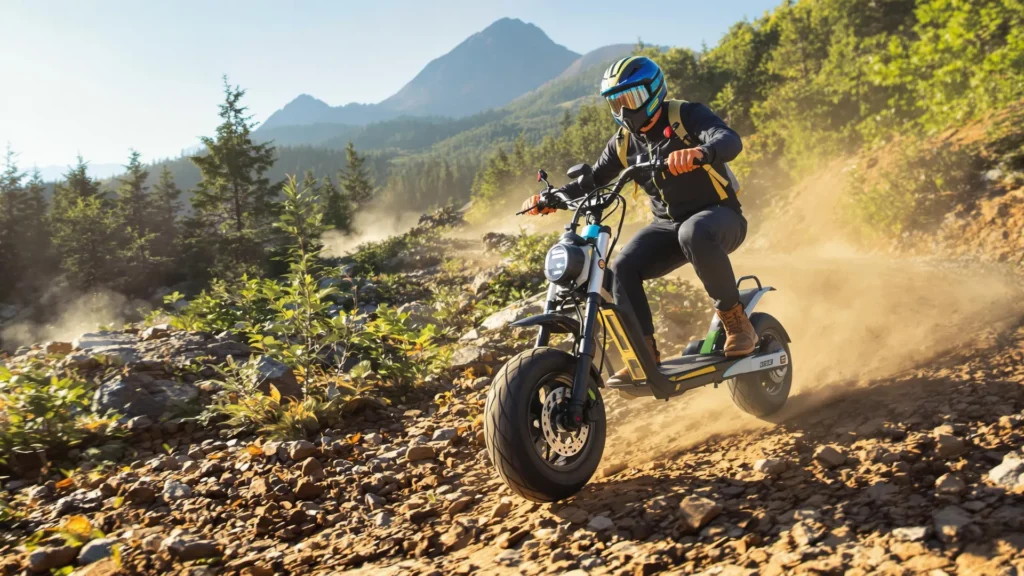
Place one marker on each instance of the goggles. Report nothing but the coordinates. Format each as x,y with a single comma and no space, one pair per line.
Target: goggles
629,99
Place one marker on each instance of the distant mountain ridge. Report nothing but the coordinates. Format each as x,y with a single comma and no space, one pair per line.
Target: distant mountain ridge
487,70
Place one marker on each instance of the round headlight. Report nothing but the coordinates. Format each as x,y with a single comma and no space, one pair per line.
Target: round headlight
564,263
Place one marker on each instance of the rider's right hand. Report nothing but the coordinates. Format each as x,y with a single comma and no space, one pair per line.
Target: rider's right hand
532,206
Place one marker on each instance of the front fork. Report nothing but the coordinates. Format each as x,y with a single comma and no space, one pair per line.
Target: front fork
587,344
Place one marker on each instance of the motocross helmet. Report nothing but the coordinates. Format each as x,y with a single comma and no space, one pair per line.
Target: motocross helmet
634,88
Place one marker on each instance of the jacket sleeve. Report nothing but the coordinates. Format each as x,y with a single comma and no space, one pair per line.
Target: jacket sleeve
606,169
720,143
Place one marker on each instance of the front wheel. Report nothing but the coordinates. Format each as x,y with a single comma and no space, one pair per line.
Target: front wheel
535,457
765,393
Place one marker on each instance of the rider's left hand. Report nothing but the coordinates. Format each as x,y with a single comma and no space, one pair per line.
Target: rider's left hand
681,161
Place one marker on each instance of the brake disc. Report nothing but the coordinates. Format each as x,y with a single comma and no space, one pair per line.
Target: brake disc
562,442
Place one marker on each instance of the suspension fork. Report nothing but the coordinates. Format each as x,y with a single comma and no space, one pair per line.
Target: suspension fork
544,334
587,345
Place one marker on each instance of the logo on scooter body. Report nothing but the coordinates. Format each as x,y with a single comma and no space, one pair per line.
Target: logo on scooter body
766,363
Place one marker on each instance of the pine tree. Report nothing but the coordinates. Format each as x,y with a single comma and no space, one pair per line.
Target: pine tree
355,178
234,199
132,202
11,192
337,206
33,244
84,229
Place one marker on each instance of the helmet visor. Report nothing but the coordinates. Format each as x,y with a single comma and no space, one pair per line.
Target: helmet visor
630,99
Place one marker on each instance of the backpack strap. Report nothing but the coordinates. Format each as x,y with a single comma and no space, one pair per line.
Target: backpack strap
675,119
622,147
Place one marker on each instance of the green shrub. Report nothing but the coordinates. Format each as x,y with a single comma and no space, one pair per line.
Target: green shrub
42,407
911,189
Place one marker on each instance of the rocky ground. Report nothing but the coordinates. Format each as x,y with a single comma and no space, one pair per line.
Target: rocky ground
919,473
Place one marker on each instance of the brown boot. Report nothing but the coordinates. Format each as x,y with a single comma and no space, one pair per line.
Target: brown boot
623,376
740,337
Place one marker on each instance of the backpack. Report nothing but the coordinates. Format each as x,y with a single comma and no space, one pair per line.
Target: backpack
675,119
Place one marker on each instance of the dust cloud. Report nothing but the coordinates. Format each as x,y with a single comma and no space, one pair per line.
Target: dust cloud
854,315
371,225
70,316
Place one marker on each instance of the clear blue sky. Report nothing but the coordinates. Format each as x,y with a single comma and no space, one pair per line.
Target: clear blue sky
98,77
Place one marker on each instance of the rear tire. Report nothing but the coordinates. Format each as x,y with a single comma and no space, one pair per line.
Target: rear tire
511,427
765,393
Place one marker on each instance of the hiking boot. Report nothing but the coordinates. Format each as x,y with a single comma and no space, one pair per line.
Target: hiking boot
623,376
740,337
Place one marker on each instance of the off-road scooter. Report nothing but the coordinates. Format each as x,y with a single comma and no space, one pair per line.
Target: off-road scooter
545,418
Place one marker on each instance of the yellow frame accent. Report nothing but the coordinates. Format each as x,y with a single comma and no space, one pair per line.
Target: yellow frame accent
611,323
694,374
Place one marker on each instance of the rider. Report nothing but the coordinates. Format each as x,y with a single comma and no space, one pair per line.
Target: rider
697,218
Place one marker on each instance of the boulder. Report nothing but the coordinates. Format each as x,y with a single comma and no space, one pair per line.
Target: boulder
470,357
420,315
280,375
1009,473
483,279
516,311
97,550
140,395
116,347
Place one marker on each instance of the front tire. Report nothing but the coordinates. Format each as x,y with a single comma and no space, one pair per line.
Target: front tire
765,393
537,461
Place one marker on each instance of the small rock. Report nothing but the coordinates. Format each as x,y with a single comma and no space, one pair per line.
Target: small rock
770,466
375,502
501,509
421,514
481,383
300,449
911,533
950,485
829,457
948,446
950,522
312,468
175,490
186,550
308,490
155,332
444,434
696,512
63,348
47,558
280,375
460,505
599,523
470,356
417,453
96,550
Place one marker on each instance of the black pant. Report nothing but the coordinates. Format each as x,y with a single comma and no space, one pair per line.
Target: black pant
705,240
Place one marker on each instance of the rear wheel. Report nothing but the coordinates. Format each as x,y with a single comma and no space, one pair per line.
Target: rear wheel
538,459
765,393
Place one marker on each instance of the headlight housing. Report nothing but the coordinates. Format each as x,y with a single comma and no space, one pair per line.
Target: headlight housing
567,264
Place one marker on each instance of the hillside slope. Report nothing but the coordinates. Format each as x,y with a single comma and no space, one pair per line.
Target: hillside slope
487,70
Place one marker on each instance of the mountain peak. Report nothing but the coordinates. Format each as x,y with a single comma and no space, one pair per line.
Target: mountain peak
487,70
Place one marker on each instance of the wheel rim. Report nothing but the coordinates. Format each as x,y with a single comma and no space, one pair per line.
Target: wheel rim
773,381
556,447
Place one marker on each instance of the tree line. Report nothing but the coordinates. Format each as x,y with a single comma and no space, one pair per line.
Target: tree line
815,79
132,237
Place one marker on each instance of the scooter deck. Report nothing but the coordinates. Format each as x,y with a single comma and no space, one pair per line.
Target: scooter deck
692,365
